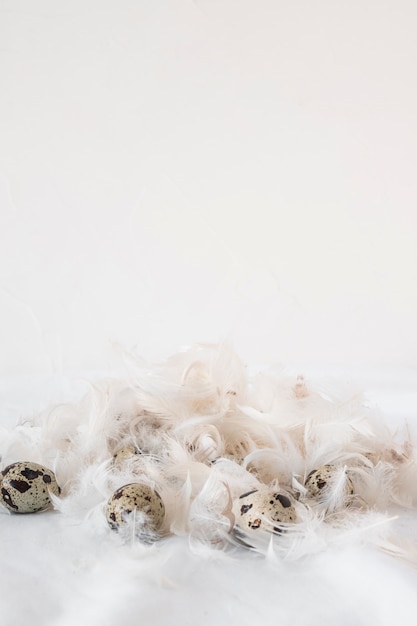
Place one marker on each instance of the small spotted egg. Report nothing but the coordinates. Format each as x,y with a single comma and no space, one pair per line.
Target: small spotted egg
320,480
125,454
25,487
263,509
138,499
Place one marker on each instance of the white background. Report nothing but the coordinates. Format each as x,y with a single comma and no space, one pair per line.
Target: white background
175,171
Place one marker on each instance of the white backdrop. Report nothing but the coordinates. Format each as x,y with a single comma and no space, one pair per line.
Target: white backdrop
175,171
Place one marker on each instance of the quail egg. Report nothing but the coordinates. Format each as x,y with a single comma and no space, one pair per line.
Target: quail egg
139,503
263,509
25,487
125,454
322,479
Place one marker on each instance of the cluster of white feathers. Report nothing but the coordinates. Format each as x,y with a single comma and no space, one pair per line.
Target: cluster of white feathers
206,433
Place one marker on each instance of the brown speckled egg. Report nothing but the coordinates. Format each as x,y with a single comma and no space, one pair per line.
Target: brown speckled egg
263,509
320,480
25,487
136,498
125,454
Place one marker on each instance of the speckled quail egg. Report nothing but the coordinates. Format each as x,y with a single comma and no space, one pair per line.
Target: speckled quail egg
140,500
25,487
323,478
263,509
125,454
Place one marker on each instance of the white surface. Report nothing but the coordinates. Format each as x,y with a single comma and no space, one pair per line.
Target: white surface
174,171
54,572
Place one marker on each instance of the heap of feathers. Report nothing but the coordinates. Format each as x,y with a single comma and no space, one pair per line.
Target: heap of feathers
205,435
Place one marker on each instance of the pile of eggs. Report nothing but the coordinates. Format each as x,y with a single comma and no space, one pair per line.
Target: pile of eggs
27,487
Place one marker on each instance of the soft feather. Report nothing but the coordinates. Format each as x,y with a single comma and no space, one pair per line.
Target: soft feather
206,433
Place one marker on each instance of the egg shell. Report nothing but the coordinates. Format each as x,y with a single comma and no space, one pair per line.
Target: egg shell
25,487
125,454
320,480
263,509
136,497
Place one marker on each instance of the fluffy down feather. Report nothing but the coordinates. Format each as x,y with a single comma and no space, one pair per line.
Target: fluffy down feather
202,433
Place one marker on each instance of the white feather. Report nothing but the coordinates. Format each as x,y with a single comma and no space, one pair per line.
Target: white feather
206,434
